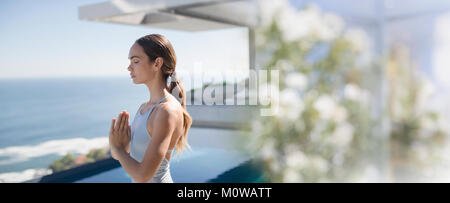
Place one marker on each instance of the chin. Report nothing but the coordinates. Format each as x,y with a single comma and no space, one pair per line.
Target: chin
136,82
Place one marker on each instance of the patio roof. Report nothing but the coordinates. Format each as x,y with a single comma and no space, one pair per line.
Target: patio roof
186,15
197,15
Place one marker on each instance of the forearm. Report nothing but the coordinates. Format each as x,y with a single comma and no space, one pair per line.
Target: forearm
131,166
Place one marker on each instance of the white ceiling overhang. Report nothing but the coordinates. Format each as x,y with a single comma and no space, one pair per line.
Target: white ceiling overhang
187,15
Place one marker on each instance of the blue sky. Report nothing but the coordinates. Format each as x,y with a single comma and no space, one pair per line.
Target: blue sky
46,39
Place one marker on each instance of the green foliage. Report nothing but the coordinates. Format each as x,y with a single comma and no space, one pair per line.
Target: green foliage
326,129
417,133
322,130
68,161
95,155
64,163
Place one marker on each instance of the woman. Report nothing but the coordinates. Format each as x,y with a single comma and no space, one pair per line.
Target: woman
144,149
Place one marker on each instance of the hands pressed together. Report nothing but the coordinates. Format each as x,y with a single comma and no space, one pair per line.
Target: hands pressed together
119,133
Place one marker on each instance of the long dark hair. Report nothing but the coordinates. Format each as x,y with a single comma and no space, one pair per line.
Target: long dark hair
155,46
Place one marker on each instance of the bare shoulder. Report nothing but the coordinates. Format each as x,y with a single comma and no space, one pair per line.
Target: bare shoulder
168,112
171,109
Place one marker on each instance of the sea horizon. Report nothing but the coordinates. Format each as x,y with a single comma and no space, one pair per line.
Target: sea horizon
46,118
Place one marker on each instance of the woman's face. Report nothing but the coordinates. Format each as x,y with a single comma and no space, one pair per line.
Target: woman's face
141,69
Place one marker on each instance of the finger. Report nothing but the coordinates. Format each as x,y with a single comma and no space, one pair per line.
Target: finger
129,131
119,122
127,115
112,124
125,124
128,127
124,119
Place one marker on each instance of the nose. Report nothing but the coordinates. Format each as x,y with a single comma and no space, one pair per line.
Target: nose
129,68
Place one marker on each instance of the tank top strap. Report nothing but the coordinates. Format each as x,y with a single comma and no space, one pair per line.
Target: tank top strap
151,109
156,104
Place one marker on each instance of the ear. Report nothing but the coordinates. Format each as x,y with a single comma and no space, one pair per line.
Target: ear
159,62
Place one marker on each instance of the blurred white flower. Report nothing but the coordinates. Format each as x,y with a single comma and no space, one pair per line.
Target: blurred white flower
267,150
333,26
358,38
291,104
326,106
269,8
343,134
296,159
355,93
284,65
296,24
290,97
292,24
352,92
340,114
274,166
296,80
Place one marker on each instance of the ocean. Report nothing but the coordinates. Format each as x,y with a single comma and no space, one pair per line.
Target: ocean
44,119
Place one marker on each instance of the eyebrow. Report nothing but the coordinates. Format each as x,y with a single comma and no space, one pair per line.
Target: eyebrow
133,57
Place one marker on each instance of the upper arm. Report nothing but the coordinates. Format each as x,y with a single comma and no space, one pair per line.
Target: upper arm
162,130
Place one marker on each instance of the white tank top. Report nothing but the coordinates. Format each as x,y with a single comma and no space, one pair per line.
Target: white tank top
140,139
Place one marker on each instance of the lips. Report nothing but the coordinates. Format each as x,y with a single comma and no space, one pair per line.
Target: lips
132,76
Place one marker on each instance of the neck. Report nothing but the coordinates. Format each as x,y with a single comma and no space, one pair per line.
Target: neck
157,89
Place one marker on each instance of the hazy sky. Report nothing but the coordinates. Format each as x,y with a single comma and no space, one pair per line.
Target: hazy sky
45,38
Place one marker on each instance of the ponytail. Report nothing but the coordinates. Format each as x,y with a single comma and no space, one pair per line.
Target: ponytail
176,88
